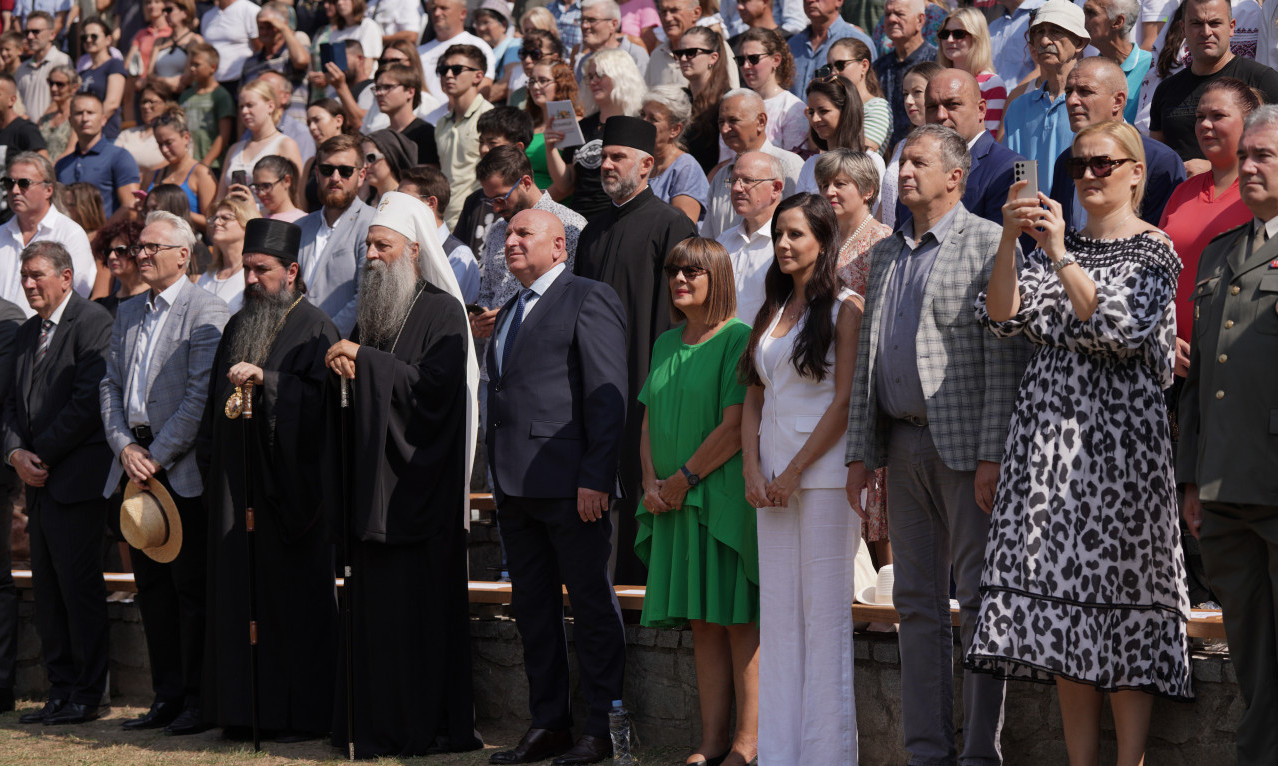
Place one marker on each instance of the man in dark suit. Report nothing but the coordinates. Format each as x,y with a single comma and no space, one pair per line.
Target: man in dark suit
953,99
53,438
10,317
1228,424
556,416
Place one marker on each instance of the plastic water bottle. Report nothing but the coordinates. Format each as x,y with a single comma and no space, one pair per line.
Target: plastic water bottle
619,729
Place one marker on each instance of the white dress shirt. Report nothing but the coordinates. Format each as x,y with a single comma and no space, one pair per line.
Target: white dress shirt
58,228
157,313
539,287
751,255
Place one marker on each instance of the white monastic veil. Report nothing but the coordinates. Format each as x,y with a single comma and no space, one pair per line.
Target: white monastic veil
412,218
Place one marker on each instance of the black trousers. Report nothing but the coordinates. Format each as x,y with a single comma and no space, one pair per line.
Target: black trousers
9,486
549,546
171,601
70,595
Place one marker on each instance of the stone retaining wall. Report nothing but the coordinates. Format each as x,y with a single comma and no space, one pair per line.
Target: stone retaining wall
661,691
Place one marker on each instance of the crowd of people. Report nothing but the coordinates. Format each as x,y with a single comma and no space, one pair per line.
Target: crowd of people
717,299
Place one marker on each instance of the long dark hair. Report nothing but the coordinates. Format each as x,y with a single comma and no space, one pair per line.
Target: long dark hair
816,335
848,134
707,101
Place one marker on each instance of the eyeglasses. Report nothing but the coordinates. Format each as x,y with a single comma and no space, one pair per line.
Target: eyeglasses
687,54
36,32
454,69
752,59
223,218
540,82
957,34
535,54
586,21
387,88
594,76
58,83
264,187
689,272
839,66
1101,166
491,201
121,251
373,157
152,248
22,183
746,183
89,38
326,170
826,73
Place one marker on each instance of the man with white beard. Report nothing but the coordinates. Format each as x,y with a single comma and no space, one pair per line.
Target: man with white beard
625,247
410,449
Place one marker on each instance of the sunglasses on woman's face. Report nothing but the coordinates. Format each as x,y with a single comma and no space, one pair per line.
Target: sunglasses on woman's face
121,251
532,53
1101,166
89,38
752,59
689,272
957,34
826,73
687,54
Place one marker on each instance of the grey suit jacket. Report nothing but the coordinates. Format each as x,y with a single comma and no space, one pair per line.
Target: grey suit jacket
970,377
332,277
177,383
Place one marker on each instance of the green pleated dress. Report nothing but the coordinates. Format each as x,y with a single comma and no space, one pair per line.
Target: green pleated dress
703,560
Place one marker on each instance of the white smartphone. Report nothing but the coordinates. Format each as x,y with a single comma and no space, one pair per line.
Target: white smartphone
1026,170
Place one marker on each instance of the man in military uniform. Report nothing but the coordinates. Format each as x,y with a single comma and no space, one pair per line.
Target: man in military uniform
1229,434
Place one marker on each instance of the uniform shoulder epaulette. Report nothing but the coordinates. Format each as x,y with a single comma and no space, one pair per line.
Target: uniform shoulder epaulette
1227,232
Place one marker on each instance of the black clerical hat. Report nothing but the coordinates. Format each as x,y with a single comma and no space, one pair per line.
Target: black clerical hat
271,237
632,132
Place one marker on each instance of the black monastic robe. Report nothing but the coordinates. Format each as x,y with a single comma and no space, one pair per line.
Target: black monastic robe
281,450
407,455
626,248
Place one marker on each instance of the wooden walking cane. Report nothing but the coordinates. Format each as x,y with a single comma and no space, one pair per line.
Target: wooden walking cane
251,541
348,624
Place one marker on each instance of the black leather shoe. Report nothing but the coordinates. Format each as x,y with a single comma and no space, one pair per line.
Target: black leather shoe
715,761
537,745
50,707
73,712
589,749
7,702
160,715
190,722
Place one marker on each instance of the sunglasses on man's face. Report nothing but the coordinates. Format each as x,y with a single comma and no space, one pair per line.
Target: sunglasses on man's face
35,32
326,170
1101,166
957,34
454,69
22,183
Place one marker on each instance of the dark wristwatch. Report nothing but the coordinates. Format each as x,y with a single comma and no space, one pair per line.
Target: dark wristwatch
693,479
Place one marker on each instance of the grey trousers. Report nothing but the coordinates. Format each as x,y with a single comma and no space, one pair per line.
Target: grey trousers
935,525
1240,553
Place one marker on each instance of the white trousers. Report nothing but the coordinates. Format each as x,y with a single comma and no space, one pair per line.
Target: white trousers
807,707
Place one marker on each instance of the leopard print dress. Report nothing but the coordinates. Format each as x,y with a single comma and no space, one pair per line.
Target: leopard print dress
1083,572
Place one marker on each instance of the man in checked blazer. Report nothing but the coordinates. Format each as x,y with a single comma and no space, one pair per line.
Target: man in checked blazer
152,400
332,251
53,438
556,415
932,398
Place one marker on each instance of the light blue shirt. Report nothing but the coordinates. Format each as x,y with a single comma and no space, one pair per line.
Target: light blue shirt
1135,66
788,13
807,61
1036,127
1007,41
539,287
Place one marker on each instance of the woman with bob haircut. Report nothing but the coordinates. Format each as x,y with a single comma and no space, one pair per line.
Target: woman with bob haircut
965,44
799,366
1085,530
696,530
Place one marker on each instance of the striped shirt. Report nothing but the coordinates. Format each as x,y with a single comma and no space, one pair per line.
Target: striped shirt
877,122
995,94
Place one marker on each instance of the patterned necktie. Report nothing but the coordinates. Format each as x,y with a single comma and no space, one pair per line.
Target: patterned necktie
43,348
515,322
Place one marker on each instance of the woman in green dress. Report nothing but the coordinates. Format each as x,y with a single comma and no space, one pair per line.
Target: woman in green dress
696,530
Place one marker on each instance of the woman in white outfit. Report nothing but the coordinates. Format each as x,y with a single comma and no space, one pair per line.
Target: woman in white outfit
799,368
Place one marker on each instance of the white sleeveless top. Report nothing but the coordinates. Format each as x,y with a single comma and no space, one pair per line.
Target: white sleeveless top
237,161
793,405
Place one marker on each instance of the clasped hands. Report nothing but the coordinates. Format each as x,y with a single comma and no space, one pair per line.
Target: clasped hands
772,494
340,358
665,495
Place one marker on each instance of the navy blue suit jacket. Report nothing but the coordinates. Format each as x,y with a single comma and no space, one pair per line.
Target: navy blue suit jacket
987,181
1164,171
557,410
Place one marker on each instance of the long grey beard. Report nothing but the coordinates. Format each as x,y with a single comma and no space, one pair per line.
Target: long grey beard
385,298
260,315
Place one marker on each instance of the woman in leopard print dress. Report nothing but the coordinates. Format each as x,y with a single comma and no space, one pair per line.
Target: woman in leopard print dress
1084,584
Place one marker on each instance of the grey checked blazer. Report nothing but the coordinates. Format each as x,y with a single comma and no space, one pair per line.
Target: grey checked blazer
332,277
177,383
969,376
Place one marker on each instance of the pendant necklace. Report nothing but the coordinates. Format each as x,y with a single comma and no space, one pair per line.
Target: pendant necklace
411,306
235,402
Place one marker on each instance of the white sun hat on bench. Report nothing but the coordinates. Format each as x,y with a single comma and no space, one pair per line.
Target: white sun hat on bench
880,593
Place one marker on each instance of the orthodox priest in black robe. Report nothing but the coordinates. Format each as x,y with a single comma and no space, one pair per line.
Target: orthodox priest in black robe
626,248
412,379
277,341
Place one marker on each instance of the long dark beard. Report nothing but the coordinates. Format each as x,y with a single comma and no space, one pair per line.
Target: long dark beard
261,314
386,295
